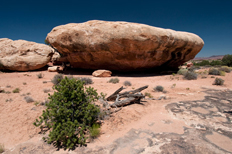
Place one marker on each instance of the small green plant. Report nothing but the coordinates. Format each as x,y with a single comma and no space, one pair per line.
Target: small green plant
28,99
57,78
173,74
94,131
70,114
159,88
36,103
7,92
2,149
40,75
173,85
16,90
214,71
127,83
24,83
190,75
114,80
9,100
187,88
148,95
103,95
182,71
218,81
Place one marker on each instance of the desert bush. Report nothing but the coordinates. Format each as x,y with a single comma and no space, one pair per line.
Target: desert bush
24,83
114,80
46,90
190,75
16,90
225,69
2,149
193,68
159,88
103,95
214,71
227,60
94,131
218,81
2,91
70,114
127,83
222,73
86,80
182,71
28,99
40,75
57,78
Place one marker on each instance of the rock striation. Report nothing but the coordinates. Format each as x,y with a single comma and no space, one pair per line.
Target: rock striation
122,45
21,55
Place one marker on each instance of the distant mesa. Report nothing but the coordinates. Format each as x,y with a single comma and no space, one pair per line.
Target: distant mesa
21,55
123,46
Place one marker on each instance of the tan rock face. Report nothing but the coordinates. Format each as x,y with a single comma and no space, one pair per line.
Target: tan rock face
22,55
122,45
102,73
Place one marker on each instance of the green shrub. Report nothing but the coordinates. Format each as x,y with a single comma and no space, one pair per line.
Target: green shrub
190,75
222,73
227,60
103,95
57,78
127,83
94,131
16,90
182,71
159,88
40,75
70,114
214,71
148,94
218,81
114,80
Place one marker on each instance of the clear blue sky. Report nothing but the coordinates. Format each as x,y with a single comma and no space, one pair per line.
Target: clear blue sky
210,19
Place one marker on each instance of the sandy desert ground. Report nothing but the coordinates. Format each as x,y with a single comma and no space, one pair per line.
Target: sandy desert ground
192,118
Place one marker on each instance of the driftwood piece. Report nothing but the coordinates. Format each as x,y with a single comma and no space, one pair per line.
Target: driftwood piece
114,95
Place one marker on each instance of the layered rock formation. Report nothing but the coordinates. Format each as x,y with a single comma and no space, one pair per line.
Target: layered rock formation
122,45
22,55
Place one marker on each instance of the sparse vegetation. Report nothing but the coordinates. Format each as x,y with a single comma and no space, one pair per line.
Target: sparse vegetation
148,95
86,80
225,68
16,90
46,90
218,81
70,114
127,83
182,71
57,78
2,149
103,95
7,92
114,80
2,91
9,100
40,75
190,75
28,99
94,131
159,88
173,85
187,88
36,103
214,71
222,73
24,83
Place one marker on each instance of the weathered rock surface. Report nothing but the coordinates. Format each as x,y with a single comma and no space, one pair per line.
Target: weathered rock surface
122,45
102,73
21,55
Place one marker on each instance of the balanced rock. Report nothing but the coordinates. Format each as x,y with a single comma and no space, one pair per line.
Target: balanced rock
122,45
21,55
102,73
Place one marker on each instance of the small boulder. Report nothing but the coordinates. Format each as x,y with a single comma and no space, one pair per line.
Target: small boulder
53,69
189,65
102,73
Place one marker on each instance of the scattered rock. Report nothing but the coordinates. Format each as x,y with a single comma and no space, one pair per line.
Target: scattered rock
123,45
21,55
102,73
53,69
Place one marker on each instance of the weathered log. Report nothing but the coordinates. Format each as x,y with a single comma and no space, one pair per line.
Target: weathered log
114,95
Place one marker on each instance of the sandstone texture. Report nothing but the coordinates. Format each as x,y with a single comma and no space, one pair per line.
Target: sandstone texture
122,45
102,73
21,55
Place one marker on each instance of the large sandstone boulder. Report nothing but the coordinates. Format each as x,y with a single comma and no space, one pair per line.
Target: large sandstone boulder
22,55
122,45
